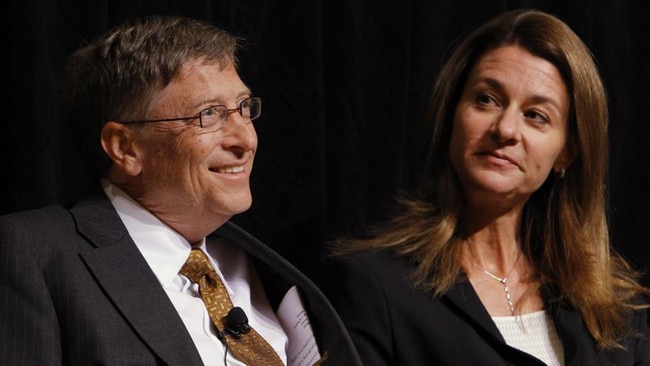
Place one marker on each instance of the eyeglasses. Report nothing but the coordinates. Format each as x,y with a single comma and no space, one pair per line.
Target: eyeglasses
216,116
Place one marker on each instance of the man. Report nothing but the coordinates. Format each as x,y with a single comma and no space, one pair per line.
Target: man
105,281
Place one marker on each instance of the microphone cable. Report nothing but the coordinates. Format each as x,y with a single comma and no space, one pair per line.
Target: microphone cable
236,324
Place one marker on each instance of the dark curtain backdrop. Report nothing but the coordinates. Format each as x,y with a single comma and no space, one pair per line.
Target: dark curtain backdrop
345,86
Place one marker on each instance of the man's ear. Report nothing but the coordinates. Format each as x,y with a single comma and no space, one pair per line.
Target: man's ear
118,141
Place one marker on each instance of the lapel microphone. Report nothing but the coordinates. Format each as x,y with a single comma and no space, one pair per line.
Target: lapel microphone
236,324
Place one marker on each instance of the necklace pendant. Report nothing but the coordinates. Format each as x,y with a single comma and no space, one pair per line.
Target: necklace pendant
503,281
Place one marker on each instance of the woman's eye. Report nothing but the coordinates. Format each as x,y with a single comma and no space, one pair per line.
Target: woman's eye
536,116
485,99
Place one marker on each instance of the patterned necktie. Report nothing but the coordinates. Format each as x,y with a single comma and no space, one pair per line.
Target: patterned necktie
249,347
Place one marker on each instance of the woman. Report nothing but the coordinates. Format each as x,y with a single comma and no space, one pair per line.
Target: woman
505,257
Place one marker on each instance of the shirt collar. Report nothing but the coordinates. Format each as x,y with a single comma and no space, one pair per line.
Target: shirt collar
164,249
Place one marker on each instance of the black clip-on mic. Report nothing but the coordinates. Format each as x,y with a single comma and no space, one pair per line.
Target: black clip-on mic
236,324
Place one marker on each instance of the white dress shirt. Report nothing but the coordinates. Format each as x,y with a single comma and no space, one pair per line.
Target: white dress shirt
166,251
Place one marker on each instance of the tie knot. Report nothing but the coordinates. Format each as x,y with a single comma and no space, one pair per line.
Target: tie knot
196,266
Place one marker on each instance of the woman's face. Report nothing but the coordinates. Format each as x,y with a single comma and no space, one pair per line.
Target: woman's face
510,127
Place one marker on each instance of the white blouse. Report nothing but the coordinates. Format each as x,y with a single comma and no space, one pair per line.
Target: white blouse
533,333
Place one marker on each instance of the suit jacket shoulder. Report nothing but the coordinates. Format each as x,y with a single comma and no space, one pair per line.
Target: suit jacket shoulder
77,291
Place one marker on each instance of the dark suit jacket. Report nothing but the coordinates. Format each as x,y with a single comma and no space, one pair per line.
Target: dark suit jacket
393,324
75,290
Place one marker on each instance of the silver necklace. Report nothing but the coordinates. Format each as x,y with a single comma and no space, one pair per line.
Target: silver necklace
503,280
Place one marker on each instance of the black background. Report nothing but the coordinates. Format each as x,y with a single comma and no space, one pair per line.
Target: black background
344,85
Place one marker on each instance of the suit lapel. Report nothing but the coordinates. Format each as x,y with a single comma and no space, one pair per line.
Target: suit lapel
277,276
273,270
128,281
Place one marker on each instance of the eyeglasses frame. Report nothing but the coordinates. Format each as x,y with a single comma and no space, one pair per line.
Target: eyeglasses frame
229,111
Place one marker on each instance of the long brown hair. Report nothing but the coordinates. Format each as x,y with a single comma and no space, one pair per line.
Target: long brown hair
564,226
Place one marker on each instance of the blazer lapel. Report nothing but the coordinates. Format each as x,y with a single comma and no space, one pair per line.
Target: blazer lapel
576,340
463,297
125,276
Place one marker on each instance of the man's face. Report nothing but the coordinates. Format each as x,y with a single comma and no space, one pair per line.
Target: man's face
193,177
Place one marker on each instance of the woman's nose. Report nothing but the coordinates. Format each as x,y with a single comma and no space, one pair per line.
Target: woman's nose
507,125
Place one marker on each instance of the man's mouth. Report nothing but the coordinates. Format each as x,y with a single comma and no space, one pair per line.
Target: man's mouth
229,169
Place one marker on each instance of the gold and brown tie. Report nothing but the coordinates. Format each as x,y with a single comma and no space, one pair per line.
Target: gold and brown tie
249,347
